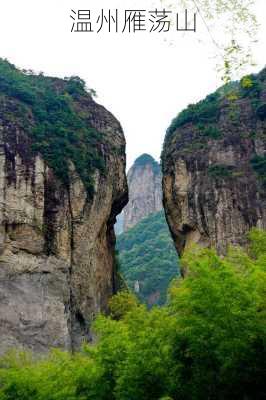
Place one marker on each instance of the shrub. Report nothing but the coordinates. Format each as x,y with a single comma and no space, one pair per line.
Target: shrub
220,171
122,303
250,86
206,111
208,342
261,112
259,165
210,131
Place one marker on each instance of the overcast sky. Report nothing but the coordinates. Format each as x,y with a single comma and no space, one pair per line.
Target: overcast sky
143,79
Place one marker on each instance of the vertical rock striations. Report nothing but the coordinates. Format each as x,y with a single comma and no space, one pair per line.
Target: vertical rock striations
145,190
62,183
214,167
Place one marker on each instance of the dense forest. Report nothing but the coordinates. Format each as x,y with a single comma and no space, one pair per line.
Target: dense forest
147,258
208,342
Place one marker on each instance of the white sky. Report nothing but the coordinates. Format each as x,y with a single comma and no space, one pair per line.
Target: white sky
141,78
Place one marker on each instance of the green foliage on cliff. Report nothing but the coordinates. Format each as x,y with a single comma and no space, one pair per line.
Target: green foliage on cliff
250,86
59,131
147,159
206,113
261,111
147,256
210,131
219,171
259,165
209,342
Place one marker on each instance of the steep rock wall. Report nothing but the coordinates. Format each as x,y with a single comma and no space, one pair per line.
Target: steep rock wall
214,167
56,241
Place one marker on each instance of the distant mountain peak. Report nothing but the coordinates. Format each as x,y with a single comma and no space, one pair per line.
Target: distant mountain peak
147,159
145,190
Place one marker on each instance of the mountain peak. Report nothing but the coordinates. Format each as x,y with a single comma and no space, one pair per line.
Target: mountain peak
147,159
145,190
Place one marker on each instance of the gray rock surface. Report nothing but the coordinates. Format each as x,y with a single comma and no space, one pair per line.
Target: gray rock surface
56,247
212,193
145,191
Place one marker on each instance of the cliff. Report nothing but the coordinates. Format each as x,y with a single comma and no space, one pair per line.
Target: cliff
62,183
145,190
214,167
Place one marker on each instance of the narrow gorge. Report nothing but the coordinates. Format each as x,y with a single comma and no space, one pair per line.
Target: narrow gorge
63,184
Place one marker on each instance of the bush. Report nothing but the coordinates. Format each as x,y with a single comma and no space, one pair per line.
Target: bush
206,111
250,86
259,165
210,131
122,303
209,342
219,171
261,112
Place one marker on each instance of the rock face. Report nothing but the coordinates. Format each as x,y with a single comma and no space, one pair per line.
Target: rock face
56,242
214,167
145,190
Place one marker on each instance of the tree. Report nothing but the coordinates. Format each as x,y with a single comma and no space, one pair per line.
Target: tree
209,342
232,27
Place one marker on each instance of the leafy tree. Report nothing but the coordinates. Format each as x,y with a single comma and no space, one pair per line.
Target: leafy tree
232,28
121,304
219,316
208,342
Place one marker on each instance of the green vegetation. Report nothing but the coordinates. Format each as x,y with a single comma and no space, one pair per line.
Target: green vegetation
259,165
208,342
250,86
59,131
261,111
147,159
210,131
219,171
147,256
206,113
239,31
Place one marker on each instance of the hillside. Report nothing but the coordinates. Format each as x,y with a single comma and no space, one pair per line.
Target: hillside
148,260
